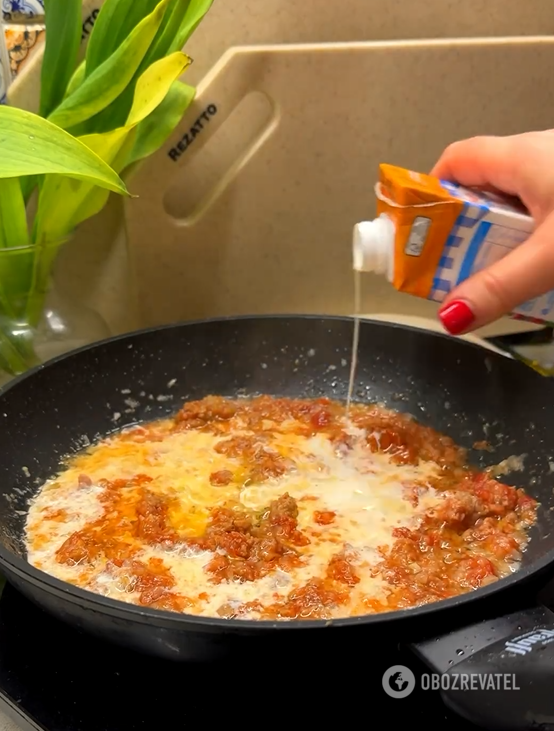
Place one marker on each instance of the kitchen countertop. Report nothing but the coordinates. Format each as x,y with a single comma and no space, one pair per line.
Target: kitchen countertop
7,724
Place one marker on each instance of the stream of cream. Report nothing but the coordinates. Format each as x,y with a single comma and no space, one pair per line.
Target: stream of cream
355,338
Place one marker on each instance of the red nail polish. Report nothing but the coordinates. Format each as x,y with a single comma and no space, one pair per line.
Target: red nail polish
456,317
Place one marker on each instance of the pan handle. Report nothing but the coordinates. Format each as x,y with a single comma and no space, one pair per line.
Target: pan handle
498,674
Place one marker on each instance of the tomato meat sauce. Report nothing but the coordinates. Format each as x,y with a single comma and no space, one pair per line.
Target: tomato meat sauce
471,533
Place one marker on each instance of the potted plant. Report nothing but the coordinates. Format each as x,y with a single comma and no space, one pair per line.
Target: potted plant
97,119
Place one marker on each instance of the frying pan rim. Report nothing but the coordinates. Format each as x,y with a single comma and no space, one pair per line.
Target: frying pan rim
143,615
384,324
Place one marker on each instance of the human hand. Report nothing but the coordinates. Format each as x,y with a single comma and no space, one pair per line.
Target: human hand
519,165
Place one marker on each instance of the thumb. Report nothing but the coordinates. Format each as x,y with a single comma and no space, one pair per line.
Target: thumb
525,273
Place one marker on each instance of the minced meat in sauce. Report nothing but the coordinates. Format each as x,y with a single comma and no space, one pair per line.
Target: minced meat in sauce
457,545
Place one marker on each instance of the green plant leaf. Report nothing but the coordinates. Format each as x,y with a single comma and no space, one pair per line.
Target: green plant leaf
60,197
76,79
62,202
95,201
13,219
154,131
154,85
115,21
32,145
107,81
117,112
63,39
181,19
167,31
194,15
28,184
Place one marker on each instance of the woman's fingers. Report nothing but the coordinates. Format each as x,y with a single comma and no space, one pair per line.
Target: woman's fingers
520,165
525,273
482,162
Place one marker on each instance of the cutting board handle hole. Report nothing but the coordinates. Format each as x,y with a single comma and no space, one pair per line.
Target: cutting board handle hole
207,172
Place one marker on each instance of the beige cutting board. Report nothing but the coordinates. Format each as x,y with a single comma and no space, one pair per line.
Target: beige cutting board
260,22
249,207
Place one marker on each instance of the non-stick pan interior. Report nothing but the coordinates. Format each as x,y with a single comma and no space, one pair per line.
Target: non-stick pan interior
460,389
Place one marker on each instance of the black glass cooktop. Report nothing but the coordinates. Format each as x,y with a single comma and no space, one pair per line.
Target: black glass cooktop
54,678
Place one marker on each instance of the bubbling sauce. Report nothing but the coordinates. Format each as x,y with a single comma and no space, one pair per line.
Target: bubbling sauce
280,509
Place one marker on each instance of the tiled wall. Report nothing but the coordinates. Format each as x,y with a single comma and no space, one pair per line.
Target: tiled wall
23,31
22,10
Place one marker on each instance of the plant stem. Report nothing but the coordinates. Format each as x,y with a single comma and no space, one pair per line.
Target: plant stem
24,284
44,258
16,353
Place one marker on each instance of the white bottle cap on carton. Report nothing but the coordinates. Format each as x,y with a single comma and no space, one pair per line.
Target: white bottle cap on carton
373,246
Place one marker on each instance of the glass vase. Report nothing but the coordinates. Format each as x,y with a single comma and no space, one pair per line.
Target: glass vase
37,322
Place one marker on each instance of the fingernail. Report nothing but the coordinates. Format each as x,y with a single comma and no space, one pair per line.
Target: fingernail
456,317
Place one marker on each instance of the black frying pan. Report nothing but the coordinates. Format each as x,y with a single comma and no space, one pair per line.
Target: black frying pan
457,388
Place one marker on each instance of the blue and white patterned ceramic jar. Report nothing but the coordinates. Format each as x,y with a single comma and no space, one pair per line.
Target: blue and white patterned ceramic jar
2,86
4,65
17,10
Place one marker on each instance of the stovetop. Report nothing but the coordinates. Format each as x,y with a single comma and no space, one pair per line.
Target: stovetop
53,678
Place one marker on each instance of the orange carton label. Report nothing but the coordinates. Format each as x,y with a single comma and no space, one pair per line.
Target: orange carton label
422,229
445,233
